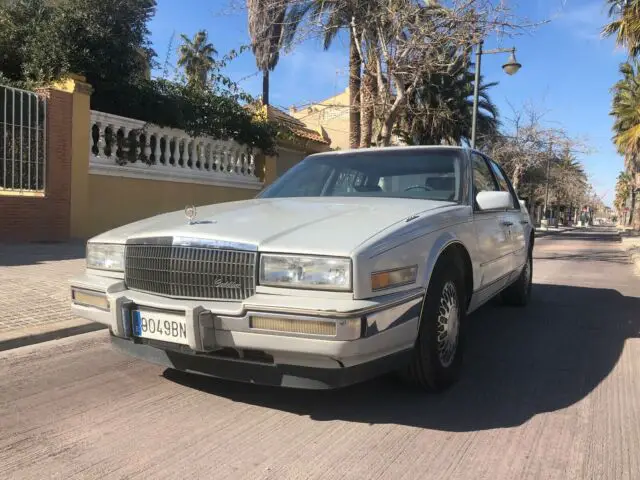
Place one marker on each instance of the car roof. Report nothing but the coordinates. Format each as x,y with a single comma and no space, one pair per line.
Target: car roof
395,149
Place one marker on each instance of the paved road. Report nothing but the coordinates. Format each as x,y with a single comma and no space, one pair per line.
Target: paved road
550,392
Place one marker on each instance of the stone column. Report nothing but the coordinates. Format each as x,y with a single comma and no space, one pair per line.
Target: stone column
80,137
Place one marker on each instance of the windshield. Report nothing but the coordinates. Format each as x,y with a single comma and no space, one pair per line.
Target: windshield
425,174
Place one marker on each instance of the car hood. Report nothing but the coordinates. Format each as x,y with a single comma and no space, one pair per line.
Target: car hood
319,225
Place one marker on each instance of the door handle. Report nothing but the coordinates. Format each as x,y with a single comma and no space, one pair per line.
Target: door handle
507,223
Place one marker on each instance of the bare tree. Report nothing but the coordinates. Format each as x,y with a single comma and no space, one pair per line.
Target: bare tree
528,144
411,39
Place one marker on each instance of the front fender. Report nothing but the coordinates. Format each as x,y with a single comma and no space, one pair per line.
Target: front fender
444,239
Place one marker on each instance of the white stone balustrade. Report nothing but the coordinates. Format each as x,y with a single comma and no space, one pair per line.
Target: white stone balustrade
131,148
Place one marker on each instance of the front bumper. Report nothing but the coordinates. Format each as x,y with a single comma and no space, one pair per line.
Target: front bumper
222,342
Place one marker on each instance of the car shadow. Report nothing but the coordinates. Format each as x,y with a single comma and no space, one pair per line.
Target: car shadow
518,363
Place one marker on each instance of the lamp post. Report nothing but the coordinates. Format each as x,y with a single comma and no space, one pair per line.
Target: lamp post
510,68
546,190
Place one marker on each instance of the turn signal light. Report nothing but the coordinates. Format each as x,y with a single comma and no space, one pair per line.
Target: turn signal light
393,278
90,299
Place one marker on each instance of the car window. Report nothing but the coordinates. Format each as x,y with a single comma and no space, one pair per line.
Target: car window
504,184
430,174
309,183
483,181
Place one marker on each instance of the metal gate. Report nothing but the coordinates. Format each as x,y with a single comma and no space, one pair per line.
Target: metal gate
22,141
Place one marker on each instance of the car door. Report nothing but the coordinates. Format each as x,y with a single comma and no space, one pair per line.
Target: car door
514,220
491,228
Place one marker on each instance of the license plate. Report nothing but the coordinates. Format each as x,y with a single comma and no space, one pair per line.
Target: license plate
155,325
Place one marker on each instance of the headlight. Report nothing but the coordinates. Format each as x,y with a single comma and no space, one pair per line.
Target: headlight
293,271
105,256
393,278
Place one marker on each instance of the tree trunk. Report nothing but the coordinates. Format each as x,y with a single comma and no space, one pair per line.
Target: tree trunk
368,94
354,92
515,180
633,207
387,130
265,87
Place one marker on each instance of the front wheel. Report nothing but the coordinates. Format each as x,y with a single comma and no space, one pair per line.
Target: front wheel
437,355
519,292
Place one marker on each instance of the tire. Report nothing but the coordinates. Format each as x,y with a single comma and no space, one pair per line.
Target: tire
433,367
518,293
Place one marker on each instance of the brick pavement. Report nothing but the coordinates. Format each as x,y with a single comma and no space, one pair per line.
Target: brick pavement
34,289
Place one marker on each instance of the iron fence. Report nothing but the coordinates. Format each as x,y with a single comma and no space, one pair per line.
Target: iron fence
22,141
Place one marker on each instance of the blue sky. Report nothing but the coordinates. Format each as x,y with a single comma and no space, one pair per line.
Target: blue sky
567,72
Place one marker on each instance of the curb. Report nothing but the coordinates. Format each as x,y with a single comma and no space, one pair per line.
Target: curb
23,338
545,233
632,247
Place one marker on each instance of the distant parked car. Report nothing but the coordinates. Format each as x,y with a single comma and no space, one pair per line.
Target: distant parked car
352,264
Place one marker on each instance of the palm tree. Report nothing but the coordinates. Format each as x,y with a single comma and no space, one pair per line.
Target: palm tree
626,112
569,181
625,24
624,189
336,15
197,59
266,29
440,110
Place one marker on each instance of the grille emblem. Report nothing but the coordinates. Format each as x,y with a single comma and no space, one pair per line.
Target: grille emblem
190,212
218,282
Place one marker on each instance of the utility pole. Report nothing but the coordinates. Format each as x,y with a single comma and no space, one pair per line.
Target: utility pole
476,88
546,194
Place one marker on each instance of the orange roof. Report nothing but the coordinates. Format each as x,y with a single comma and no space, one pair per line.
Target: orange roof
295,126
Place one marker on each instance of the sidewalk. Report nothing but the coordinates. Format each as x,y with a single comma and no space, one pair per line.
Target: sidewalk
540,232
631,243
34,293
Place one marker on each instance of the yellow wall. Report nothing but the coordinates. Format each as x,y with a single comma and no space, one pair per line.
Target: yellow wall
286,160
116,201
332,115
102,202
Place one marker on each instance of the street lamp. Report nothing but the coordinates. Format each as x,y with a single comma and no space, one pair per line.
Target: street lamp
510,68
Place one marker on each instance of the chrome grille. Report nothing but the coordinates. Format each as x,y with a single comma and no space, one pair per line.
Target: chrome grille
190,271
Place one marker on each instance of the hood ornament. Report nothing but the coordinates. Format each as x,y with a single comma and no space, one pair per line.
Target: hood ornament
190,212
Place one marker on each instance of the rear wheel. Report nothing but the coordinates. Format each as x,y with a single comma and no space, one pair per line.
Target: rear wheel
437,354
519,292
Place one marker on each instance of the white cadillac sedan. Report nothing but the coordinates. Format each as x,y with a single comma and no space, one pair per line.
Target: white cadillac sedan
351,265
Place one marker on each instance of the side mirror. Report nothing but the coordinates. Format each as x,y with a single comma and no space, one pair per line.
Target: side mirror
494,200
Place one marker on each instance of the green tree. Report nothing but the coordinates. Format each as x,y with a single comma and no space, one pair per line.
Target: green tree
440,109
626,127
197,59
625,24
105,40
624,190
626,110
